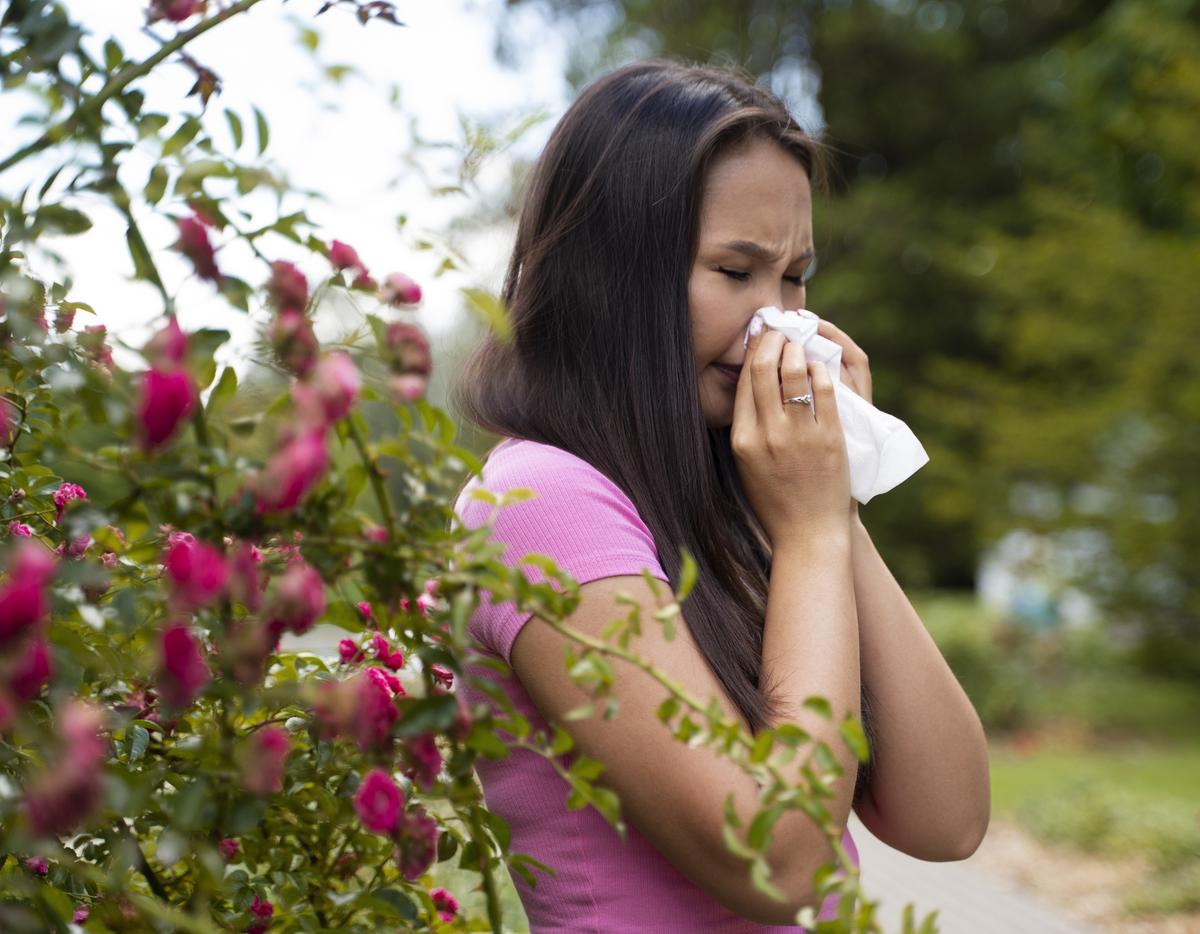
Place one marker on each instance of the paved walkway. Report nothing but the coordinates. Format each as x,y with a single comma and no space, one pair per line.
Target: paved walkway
968,901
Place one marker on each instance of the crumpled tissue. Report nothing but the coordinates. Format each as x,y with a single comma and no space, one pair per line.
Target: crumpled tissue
882,450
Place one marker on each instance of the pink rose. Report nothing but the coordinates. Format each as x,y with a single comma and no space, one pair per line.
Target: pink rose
32,671
287,287
442,675
229,849
360,708
418,844
264,761
167,349
365,609
80,915
193,241
425,760
407,349
66,493
379,802
245,585
197,572
399,289
182,673
344,256
293,471
348,652
294,342
19,530
299,599
174,10
166,398
23,597
67,793
445,903
64,318
337,384
37,865
407,387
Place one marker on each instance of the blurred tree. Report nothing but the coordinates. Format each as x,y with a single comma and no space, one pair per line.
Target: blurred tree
1012,199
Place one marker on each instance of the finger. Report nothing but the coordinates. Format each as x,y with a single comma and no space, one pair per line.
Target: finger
794,378
744,411
824,401
851,352
764,376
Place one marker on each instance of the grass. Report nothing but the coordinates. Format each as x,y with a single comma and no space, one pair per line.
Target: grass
1149,774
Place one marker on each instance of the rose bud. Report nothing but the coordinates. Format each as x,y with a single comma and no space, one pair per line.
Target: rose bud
292,472
399,289
344,256
167,349
287,287
194,244
165,400
299,599
264,760
24,600
294,342
197,572
337,384
182,671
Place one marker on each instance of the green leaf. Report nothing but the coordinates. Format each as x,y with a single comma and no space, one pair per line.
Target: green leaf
150,124
687,575
143,266
264,132
852,733
427,713
139,739
235,128
63,219
113,55
491,310
245,815
760,875
157,184
399,903
734,843
820,705
181,137
223,392
763,743
499,828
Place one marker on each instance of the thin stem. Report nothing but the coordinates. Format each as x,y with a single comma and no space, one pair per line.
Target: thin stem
495,915
119,82
376,477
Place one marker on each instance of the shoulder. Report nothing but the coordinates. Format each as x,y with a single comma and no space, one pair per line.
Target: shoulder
576,516
564,487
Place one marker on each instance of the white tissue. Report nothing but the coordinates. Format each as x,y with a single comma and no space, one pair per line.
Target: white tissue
882,450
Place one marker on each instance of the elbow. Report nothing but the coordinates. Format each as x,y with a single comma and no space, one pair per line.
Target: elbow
792,873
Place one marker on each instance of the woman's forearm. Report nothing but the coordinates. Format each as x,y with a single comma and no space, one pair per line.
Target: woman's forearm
811,647
930,791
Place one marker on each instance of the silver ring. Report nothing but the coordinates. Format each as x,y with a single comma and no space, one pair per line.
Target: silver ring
805,399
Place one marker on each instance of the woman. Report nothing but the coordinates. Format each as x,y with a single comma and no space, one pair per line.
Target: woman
670,203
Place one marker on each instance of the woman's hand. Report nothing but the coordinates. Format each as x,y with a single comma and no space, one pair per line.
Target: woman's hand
856,369
791,457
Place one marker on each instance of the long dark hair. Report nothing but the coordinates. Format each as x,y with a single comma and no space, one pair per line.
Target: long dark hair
601,361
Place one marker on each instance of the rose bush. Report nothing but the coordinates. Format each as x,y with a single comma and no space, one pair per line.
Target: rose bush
165,764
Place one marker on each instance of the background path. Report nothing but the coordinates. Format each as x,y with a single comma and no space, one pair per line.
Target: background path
968,899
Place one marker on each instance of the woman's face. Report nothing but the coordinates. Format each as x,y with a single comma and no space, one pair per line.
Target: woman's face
754,248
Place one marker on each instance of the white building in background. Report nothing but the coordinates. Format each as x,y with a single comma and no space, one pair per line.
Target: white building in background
1029,576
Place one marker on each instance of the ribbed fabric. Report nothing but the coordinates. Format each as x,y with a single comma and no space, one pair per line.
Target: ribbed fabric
592,530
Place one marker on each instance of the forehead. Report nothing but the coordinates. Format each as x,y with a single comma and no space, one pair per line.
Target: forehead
758,191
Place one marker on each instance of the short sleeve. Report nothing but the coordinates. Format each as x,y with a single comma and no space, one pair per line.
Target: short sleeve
578,517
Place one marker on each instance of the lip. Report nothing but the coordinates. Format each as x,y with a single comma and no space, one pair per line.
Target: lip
732,372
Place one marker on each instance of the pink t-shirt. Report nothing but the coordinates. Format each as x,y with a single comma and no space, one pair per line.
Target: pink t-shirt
591,529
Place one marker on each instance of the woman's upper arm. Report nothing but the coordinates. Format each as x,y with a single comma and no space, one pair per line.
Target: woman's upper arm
672,793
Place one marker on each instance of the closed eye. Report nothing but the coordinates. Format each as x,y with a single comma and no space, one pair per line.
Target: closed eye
797,281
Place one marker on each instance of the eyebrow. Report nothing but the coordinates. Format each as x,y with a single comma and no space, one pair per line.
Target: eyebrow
759,252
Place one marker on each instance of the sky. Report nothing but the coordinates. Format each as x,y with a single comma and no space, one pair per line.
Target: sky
347,141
